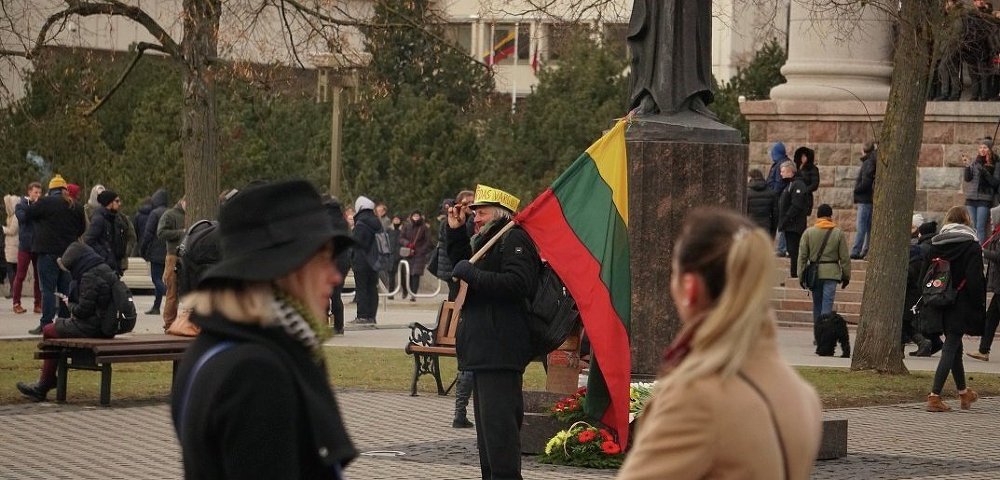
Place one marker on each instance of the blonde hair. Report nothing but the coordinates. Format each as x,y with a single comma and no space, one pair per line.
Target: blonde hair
238,302
729,252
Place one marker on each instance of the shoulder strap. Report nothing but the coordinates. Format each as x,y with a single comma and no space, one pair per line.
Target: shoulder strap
774,421
822,246
186,394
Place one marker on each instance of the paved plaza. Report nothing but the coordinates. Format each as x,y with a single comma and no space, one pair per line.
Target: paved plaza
410,437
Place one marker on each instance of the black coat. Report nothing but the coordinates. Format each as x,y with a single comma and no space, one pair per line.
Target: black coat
864,184
793,207
57,223
89,315
762,205
104,238
991,253
967,315
366,225
808,171
262,408
153,249
493,333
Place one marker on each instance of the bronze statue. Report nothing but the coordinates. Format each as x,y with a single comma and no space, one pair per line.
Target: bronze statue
670,42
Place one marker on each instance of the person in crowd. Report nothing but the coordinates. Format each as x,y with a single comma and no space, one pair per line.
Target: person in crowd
366,225
381,211
726,405
395,228
88,315
982,181
464,380
864,192
171,230
139,223
343,260
251,397
93,204
977,48
762,203
106,234
958,244
805,162
58,221
834,261
991,251
792,214
443,263
948,46
74,193
154,249
775,182
11,229
927,343
499,286
349,215
25,255
415,238
908,332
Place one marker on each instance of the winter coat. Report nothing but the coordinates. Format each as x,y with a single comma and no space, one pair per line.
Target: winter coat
11,230
835,261
914,274
151,247
720,428
418,238
366,225
991,252
493,333
104,237
981,181
26,231
864,184
139,226
809,172
124,228
792,206
261,408
958,244
762,205
89,315
57,223
336,212
444,262
778,156
171,229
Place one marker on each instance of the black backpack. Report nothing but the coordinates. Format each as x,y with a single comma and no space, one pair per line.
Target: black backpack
121,314
379,254
938,289
198,250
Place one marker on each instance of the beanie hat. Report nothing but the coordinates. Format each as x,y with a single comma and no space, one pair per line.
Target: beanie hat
57,182
73,190
824,210
917,221
928,228
106,197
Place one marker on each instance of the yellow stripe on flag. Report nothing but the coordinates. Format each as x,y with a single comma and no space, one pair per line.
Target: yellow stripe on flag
610,157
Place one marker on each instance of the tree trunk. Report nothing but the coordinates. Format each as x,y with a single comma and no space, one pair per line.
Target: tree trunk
878,340
199,125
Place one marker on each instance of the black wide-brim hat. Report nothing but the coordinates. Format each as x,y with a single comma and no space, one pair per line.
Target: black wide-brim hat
271,229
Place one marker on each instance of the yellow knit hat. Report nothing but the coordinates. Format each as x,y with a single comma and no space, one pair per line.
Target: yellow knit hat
57,182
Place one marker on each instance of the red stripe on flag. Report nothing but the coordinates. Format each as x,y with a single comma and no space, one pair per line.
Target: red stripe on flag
544,221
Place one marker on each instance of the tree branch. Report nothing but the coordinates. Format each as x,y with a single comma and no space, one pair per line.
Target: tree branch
85,9
291,38
326,18
141,48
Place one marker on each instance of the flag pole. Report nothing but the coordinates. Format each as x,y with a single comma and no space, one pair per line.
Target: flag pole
493,41
513,72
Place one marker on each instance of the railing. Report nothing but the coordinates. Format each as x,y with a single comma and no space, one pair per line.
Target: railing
402,275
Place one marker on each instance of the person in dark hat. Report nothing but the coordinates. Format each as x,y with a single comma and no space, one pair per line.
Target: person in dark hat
499,286
251,397
108,234
927,344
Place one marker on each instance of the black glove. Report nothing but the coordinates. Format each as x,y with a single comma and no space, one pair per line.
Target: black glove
464,270
844,283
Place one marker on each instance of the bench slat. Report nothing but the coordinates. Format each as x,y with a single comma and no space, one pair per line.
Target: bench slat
127,340
431,350
149,357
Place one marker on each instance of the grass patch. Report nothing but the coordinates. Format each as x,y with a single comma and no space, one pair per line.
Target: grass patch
391,370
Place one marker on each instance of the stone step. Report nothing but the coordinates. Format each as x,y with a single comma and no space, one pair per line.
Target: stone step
796,293
806,306
793,283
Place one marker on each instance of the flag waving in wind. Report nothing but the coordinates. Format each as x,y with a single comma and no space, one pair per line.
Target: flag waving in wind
502,49
580,227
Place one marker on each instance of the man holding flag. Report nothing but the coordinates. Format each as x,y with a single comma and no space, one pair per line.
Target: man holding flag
493,339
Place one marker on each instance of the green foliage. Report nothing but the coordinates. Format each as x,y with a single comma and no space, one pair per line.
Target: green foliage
753,82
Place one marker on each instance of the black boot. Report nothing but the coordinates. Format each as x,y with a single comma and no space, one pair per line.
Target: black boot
463,391
35,391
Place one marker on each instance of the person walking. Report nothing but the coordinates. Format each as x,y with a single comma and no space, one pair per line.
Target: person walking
366,226
725,405
10,247
991,251
415,238
959,246
252,397
792,213
171,230
982,181
864,191
25,255
927,344
825,245
762,203
774,182
154,250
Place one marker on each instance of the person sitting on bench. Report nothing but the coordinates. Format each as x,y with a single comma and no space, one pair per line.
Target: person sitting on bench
94,279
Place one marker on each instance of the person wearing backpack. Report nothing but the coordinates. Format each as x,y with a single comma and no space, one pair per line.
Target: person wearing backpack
991,251
953,296
824,245
94,279
927,344
493,340
366,227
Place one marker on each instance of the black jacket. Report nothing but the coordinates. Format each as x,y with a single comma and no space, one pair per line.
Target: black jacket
262,408
493,333
808,171
991,252
57,223
201,251
762,205
793,206
89,315
967,315
105,236
864,184
152,248
366,225
336,212
139,225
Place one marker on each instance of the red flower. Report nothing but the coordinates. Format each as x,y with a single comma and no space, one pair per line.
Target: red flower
610,448
560,406
586,436
606,435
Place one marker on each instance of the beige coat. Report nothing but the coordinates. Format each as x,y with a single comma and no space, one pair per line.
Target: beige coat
10,229
721,428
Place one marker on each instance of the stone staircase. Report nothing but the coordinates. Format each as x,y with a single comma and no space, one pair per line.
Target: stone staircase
793,305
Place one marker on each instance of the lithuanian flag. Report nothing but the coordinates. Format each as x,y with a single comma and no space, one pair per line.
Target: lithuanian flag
579,225
502,49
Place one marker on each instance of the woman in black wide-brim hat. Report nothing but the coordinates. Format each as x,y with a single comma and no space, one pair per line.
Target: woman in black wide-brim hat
251,397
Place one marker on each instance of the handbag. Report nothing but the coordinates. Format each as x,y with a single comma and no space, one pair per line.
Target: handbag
810,273
405,252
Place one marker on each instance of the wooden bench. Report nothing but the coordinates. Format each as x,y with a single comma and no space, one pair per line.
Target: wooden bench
98,354
428,344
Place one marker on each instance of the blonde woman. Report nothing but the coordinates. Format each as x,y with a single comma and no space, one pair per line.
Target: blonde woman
251,398
726,404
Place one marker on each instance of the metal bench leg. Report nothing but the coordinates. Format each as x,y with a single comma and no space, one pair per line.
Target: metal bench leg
436,371
416,374
105,384
453,382
61,377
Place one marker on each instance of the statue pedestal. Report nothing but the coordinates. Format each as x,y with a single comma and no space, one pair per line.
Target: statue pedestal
676,163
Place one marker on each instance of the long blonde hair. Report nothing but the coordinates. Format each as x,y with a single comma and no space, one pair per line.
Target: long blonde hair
731,254
241,302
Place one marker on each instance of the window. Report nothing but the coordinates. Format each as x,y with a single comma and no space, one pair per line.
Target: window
503,43
461,35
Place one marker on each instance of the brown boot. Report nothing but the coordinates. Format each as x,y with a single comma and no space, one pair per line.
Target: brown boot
934,404
968,398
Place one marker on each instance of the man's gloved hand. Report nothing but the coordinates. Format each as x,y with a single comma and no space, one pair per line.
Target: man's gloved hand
844,283
464,270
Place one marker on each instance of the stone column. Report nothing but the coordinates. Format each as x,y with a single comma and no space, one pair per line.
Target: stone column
831,57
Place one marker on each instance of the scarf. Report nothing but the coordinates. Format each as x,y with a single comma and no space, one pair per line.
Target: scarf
299,323
486,233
